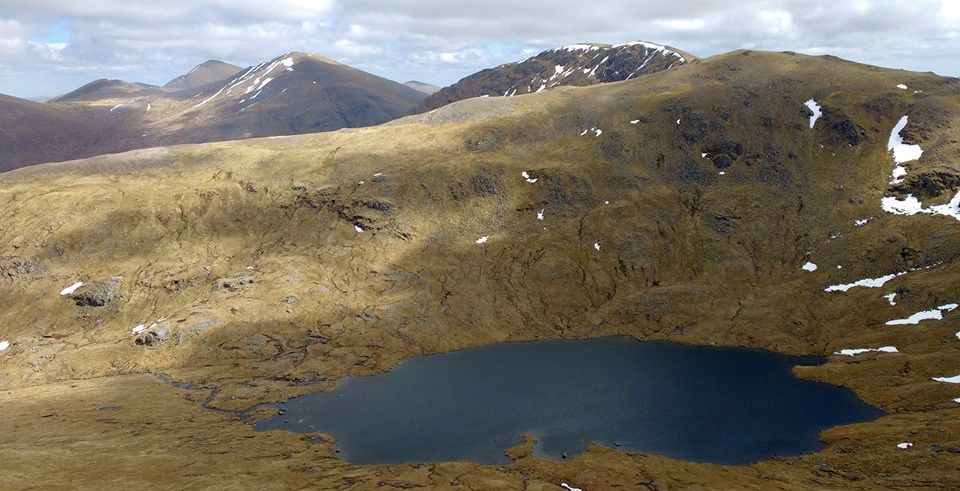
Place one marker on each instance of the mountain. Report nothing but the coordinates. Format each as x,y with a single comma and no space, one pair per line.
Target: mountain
108,89
691,205
576,64
422,87
205,73
294,93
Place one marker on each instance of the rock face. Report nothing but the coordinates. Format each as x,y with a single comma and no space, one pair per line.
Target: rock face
577,64
97,293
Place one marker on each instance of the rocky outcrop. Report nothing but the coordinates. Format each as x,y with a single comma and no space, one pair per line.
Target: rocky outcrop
154,335
930,184
12,268
97,293
232,283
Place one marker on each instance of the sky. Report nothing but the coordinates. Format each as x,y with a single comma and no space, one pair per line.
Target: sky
49,47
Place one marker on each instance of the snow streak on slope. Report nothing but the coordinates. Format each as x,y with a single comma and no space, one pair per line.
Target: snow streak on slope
252,79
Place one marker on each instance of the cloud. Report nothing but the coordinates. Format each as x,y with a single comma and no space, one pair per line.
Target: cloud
440,41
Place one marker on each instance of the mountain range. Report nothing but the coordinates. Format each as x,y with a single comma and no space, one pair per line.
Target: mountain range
291,94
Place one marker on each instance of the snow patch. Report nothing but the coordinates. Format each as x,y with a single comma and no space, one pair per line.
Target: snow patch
634,121
358,228
858,351
72,288
809,266
483,240
902,86
890,298
933,314
540,215
861,222
910,206
596,245
137,330
904,445
815,108
4,345
901,152
569,487
580,47
527,177
866,283
949,380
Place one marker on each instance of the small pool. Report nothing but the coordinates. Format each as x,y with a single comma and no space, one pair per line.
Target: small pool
720,405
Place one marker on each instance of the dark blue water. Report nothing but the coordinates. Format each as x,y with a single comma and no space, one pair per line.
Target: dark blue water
727,406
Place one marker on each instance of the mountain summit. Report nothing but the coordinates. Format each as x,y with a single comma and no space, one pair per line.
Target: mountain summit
575,64
205,73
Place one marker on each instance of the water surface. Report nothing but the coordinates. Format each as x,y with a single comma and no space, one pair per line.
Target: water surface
720,405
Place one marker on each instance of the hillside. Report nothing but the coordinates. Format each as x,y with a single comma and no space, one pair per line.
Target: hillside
35,132
292,94
576,64
703,204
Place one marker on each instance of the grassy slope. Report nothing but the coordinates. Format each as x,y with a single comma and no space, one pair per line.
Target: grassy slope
686,254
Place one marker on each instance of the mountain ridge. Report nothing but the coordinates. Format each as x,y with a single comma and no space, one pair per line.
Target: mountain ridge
575,64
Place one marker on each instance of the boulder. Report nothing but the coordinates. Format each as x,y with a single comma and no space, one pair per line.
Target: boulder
97,293
154,335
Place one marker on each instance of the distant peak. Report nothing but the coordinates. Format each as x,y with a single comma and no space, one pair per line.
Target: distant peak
603,47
